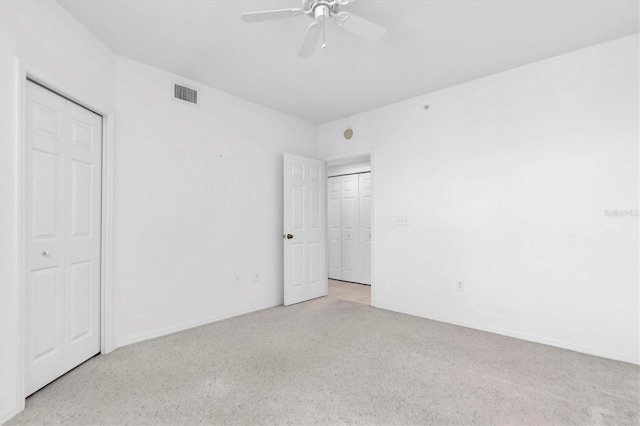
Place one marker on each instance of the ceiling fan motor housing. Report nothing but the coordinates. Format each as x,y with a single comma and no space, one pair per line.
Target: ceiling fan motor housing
321,11
318,8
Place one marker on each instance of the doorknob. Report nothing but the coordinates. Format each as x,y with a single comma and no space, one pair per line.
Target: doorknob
46,253
288,236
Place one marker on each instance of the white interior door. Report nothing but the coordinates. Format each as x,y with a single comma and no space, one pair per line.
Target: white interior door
64,146
350,229
364,180
305,267
334,188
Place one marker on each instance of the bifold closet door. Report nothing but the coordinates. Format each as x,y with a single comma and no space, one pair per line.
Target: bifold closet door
364,180
334,192
350,229
63,230
349,213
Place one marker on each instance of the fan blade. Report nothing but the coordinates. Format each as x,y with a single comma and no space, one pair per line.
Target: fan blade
363,27
310,40
270,14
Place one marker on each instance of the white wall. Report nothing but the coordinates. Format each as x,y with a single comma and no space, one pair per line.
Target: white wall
47,39
505,181
198,190
198,200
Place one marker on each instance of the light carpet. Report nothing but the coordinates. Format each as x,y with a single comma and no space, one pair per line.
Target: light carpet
329,361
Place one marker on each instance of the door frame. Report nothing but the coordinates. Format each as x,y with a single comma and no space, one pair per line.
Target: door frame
354,155
26,70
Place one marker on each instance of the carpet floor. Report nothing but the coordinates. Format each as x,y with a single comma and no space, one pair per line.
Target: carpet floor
330,361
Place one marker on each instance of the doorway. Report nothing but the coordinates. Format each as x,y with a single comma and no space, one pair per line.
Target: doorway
63,230
351,292
349,228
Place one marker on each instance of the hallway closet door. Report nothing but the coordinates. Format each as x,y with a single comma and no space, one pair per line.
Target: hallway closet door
334,192
364,196
350,229
349,213
63,230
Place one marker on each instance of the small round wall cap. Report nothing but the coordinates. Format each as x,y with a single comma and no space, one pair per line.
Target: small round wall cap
348,133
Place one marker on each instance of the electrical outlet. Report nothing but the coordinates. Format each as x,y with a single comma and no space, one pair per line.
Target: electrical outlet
257,277
460,285
236,280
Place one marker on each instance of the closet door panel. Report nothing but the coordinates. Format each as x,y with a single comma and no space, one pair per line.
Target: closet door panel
350,228
365,227
334,191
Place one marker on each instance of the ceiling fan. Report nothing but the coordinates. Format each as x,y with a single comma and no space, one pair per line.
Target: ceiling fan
319,11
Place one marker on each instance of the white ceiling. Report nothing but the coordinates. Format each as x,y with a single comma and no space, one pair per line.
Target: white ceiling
429,45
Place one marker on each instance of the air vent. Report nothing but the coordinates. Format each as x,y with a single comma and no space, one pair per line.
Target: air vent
185,94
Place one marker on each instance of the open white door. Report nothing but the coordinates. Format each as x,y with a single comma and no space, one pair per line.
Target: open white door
305,269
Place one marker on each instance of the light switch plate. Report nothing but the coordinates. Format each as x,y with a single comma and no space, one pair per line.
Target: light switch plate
402,220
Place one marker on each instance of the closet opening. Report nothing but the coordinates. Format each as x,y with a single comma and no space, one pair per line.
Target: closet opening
350,229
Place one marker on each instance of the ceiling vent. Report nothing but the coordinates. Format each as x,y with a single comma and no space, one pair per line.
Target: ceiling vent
186,94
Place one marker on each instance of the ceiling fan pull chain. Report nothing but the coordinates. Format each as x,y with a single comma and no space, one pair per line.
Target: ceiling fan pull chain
324,43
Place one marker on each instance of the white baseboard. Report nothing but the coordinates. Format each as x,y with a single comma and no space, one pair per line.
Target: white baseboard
518,335
9,414
170,330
